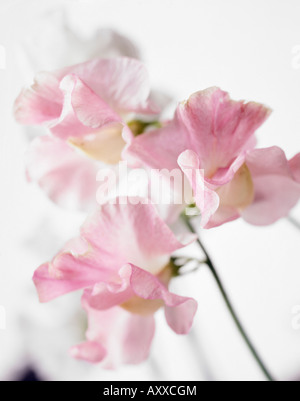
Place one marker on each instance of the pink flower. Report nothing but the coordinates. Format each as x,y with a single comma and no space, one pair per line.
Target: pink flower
212,133
122,260
86,107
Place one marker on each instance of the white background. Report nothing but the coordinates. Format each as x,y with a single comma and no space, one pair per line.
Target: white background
243,46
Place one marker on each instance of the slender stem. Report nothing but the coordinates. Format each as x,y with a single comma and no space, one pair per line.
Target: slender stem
230,307
294,222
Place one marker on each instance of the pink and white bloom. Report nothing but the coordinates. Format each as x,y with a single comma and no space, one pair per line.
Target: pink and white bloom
212,139
86,107
122,260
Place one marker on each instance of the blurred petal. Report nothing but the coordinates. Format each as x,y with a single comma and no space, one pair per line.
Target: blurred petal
39,48
276,187
138,338
40,103
90,351
123,83
126,338
67,177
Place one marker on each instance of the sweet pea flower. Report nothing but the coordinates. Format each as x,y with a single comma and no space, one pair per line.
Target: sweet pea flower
86,107
212,139
122,261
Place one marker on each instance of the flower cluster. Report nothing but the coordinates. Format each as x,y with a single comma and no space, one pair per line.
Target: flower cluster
101,112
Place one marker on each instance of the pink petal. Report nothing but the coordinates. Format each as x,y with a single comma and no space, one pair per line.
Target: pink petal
90,351
83,111
49,287
138,338
87,95
153,148
105,246
40,103
67,177
235,196
218,128
121,82
125,337
105,295
69,272
224,214
212,125
135,230
224,175
206,199
180,311
277,189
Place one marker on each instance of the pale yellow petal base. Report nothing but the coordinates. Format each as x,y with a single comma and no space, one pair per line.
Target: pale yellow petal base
106,145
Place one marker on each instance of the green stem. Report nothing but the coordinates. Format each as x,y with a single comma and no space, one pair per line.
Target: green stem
294,222
230,307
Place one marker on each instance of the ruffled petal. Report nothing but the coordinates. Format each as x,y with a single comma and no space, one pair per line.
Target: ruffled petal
121,82
219,128
142,293
83,111
76,100
75,267
209,123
